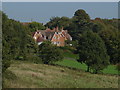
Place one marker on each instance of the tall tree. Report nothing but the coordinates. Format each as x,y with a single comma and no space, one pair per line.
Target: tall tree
81,18
112,41
17,42
92,51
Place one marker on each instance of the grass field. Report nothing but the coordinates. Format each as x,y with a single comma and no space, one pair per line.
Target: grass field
70,61
111,69
29,75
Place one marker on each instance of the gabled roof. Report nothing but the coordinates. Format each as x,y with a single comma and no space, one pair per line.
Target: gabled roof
48,33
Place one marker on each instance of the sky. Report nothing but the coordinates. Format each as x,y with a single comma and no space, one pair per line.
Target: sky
60,0
43,11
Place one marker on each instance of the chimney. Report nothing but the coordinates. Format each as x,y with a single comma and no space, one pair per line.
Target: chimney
57,29
53,28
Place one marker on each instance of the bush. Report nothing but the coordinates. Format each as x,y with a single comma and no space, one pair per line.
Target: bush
36,60
49,53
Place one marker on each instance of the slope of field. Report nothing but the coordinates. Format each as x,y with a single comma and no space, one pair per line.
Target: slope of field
29,75
72,63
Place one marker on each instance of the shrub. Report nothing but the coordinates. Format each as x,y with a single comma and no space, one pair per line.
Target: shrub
49,53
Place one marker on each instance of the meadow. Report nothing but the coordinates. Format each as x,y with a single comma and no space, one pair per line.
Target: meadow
67,73
25,74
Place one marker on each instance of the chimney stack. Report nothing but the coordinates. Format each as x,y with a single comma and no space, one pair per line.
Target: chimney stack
57,29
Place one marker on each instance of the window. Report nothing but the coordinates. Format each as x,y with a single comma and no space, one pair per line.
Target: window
54,37
46,37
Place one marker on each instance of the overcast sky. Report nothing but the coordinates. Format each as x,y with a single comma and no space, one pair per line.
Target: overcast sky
43,11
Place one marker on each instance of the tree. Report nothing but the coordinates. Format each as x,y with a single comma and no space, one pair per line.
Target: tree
17,42
112,41
49,53
81,18
82,15
80,23
92,51
60,22
36,26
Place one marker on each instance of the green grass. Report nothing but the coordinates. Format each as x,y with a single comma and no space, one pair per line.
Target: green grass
30,75
72,64
111,69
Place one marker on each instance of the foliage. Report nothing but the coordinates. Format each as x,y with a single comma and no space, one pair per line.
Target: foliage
49,53
81,17
60,22
36,26
17,42
112,41
92,51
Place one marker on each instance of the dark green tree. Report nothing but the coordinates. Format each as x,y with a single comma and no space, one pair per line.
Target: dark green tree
112,42
81,19
92,51
17,42
80,23
49,53
60,22
36,26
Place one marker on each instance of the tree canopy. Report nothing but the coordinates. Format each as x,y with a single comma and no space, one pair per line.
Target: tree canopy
49,53
92,51
36,26
17,42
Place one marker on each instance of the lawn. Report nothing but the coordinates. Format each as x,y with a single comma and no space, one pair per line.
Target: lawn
30,75
111,69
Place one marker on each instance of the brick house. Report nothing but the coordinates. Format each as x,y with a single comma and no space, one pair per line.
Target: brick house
56,36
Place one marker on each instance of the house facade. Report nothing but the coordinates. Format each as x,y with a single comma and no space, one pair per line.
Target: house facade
57,37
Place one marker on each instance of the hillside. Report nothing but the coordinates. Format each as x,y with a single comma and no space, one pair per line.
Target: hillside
29,75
